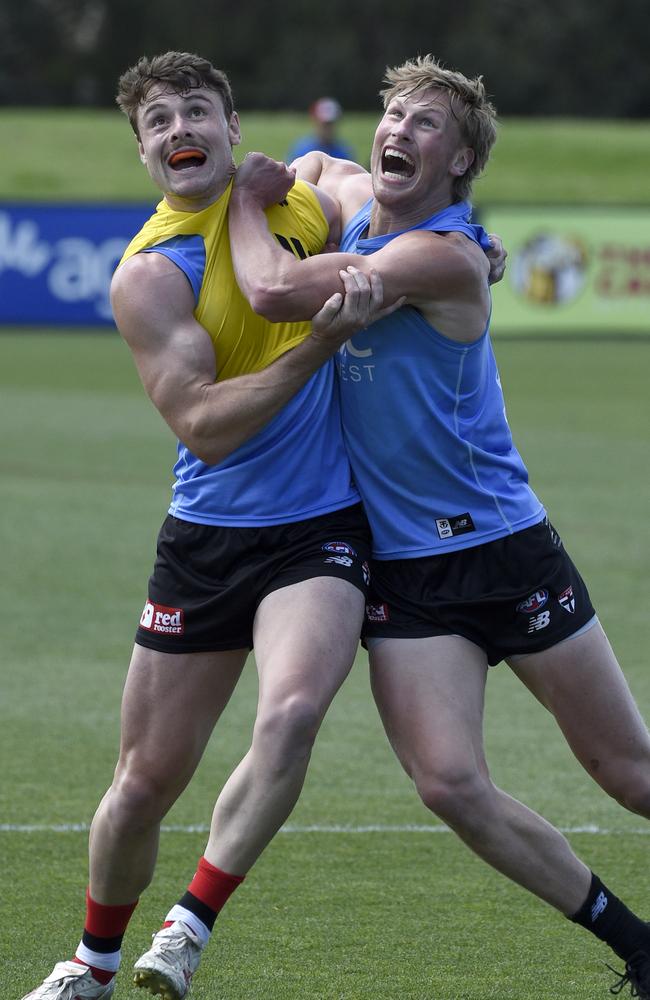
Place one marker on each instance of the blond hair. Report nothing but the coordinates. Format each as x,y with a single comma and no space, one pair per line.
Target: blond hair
469,103
179,71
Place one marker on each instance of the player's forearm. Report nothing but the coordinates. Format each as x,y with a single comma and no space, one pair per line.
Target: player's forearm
277,285
230,413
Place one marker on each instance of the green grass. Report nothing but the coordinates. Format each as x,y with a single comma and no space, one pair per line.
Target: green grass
86,155
324,915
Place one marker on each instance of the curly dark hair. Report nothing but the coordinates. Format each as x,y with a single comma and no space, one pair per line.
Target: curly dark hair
179,71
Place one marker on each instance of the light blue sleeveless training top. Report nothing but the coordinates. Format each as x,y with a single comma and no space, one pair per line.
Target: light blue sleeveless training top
293,469
425,426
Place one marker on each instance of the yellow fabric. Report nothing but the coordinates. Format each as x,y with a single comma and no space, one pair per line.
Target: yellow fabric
243,341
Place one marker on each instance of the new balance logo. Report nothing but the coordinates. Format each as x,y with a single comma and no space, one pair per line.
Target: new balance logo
340,560
598,906
539,621
459,524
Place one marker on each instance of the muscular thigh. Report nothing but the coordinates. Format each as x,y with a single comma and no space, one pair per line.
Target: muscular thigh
430,694
171,703
582,685
306,636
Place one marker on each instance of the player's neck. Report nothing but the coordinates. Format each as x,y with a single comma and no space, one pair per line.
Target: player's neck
196,204
386,219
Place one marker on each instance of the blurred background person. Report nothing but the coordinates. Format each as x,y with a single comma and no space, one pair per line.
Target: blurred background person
325,113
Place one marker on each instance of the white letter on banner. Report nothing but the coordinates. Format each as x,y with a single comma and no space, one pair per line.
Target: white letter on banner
22,250
83,271
71,277
109,254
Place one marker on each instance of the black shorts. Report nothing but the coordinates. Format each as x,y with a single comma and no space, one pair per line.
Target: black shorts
518,594
208,580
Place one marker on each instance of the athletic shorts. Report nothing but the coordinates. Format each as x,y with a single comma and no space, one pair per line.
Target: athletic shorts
519,594
208,581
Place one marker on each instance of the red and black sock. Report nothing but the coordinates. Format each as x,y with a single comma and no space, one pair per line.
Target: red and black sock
206,894
101,942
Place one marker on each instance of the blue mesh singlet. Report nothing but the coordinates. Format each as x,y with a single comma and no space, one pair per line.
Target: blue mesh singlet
296,467
425,425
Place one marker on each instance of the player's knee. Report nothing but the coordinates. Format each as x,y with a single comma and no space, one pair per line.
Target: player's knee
139,798
288,727
633,792
455,796
625,778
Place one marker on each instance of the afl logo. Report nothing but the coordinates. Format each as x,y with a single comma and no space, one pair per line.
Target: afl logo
534,602
340,548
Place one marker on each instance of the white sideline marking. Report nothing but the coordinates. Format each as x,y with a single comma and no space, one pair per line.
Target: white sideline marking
315,828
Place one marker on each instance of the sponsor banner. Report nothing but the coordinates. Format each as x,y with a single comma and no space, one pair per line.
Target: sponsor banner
569,268
572,269
56,261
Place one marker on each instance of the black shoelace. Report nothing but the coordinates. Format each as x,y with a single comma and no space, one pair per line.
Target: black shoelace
625,979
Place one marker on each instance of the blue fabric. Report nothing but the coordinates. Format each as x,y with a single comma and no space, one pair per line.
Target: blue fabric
310,143
425,425
294,468
456,218
188,253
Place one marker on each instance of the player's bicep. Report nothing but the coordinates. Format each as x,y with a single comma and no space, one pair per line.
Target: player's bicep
426,267
153,307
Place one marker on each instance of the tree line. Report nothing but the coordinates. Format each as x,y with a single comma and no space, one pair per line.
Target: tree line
585,58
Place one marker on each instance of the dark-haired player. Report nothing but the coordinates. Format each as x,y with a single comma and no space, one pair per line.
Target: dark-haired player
265,542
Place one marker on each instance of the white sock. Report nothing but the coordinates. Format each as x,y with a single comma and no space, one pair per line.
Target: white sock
201,930
108,961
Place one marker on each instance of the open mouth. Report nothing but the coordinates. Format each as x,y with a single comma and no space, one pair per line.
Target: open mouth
186,158
396,163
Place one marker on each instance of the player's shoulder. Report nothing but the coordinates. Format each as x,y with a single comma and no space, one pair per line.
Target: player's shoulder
148,281
319,167
347,182
438,266
142,267
457,248
347,171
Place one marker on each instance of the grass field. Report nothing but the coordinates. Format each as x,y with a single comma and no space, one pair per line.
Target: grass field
363,895
85,155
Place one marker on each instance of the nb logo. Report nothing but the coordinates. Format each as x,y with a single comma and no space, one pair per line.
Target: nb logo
598,906
539,621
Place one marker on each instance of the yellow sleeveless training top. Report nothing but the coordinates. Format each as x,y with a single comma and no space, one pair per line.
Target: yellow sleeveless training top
243,341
